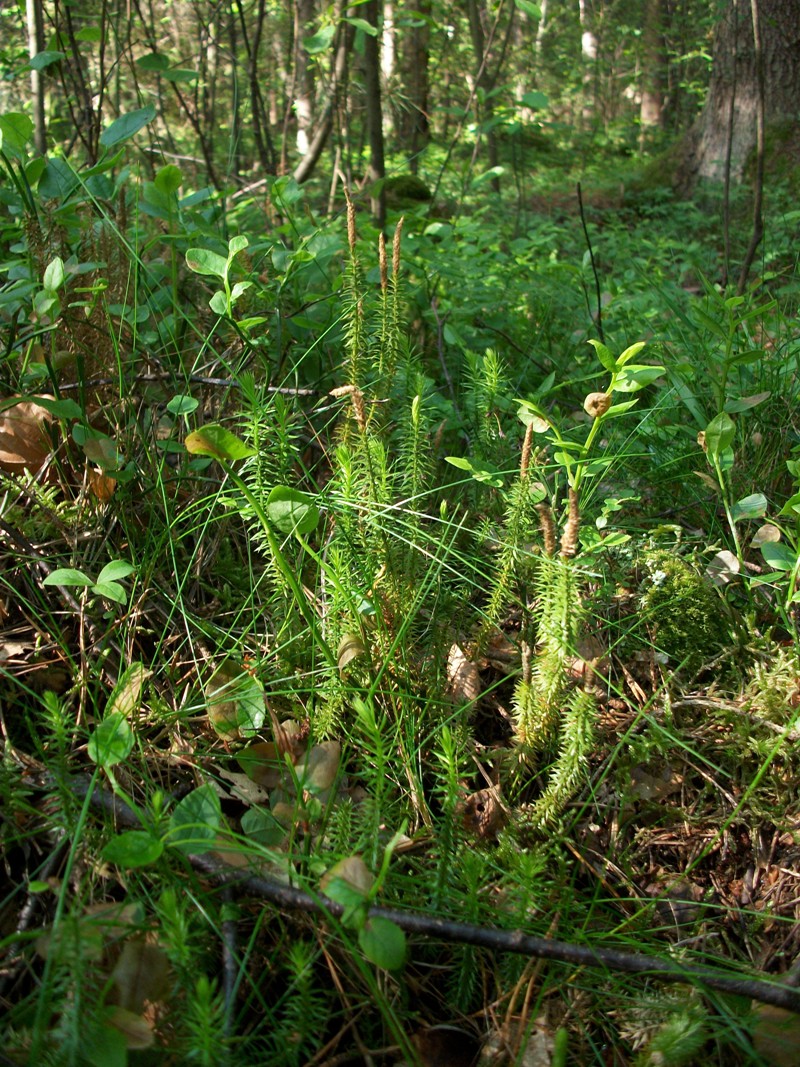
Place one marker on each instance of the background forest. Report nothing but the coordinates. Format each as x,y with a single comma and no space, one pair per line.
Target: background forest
399,533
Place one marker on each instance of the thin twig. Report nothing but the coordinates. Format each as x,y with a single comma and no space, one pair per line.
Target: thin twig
286,897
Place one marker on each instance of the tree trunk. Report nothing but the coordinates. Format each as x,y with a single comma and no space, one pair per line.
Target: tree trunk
372,86
589,61
344,40
654,69
36,45
413,125
303,74
728,121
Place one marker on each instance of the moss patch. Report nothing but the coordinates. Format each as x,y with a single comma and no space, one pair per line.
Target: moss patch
687,618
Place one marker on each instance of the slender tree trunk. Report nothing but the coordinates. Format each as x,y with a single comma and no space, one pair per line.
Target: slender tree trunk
372,84
303,74
413,126
33,9
316,146
589,60
654,68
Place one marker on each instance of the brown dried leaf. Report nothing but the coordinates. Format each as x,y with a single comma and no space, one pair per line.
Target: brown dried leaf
765,534
350,647
317,770
483,814
141,974
776,1035
463,676
351,869
24,439
263,764
101,486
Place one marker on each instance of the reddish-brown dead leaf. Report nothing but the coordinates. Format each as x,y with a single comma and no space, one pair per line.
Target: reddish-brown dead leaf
24,439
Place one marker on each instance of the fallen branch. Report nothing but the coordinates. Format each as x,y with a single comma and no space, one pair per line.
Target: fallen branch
779,994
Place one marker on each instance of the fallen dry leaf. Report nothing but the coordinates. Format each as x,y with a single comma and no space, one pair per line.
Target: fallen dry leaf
463,676
24,438
483,814
776,1035
140,974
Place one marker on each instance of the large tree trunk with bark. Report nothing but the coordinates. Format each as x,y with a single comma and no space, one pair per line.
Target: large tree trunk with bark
727,124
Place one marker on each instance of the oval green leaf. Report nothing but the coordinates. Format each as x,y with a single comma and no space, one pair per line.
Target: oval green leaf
195,822
46,59
779,556
68,576
383,942
204,261
719,434
123,128
111,742
292,511
749,507
214,440
134,848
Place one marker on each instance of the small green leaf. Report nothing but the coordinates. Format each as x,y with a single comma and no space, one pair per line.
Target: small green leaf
779,556
237,245
111,742
123,128
262,827
629,353
111,591
204,261
16,130
635,376
182,405
195,822
603,354
92,34
54,274
152,61
320,42
292,511
238,289
214,440
133,848
383,942
168,180
58,180
532,10
219,303
719,434
534,100
68,576
363,25
710,324
62,409
116,569
46,59
745,403
484,472
749,507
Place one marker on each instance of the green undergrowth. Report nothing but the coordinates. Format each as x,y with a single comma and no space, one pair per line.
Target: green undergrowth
394,571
